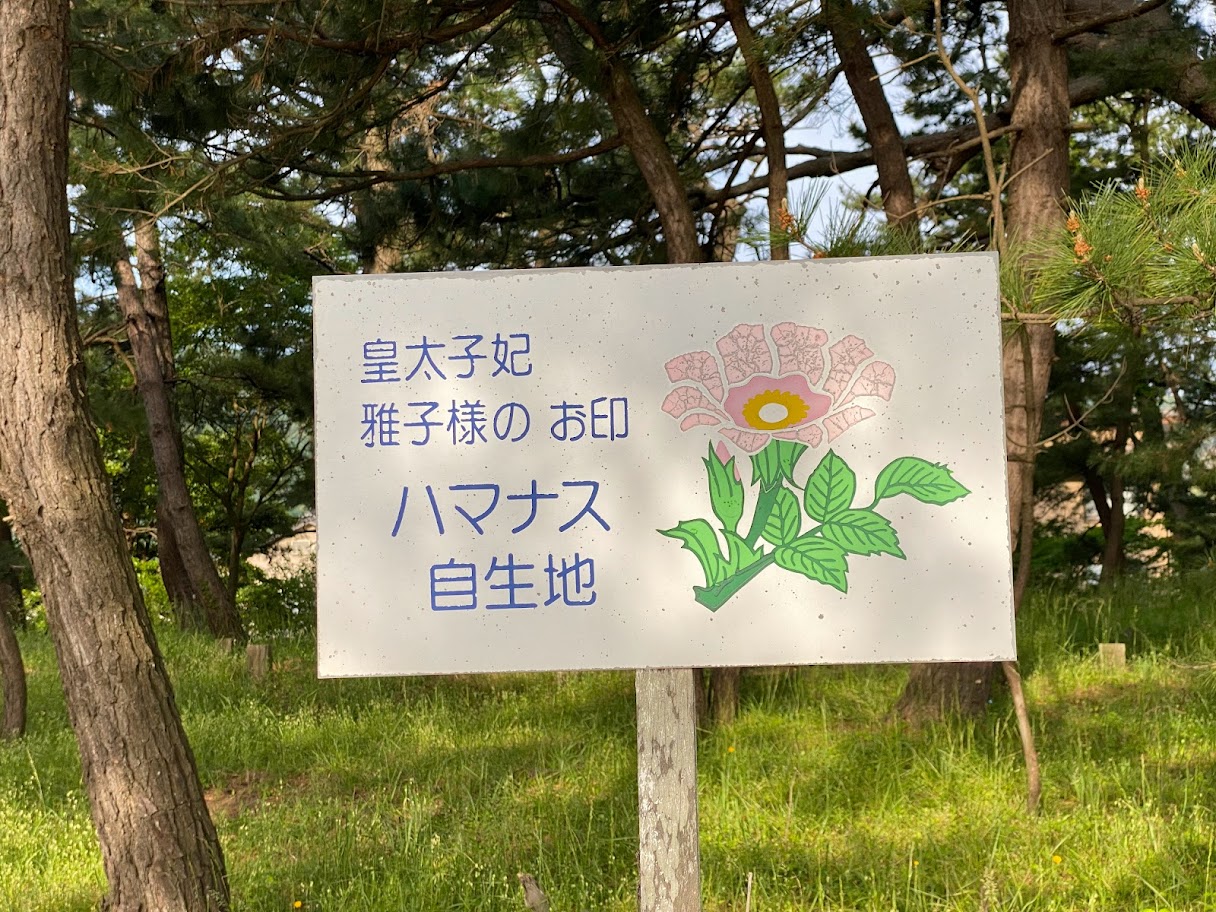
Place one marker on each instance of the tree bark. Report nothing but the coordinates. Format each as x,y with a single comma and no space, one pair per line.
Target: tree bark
937,690
12,668
378,255
724,694
771,126
1038,72
188,569
159,848
894,179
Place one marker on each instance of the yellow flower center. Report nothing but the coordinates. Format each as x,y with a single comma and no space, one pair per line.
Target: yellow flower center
773,410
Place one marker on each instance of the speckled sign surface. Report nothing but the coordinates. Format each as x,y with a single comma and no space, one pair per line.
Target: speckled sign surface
723,464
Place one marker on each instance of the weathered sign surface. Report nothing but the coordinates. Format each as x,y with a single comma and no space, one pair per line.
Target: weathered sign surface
739,464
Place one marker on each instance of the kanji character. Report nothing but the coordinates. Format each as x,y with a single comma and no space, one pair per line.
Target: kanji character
568,582
380,362
468,355
467,422
618,409
424,349
380,424
512,585
505,354
424,422
453,586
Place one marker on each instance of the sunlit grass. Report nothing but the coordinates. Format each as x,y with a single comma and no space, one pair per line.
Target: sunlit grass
429,794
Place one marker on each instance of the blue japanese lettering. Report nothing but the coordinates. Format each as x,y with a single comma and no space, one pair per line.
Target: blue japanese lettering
534,497
588,508
616,417
513,586
505,418
468,356
467,422
380,363
380,424
508,350
569,582
453,586
475,521
424,422
572,423
424,349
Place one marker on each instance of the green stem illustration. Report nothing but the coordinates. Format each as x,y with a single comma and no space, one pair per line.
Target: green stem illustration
715,597
764,508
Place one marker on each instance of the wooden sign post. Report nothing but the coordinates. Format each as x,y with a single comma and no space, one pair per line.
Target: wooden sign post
661,468
669,845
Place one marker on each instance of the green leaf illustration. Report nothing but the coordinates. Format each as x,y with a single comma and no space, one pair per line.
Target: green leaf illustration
766,466
928,482
725,490
830,488
699,538
817,559
862,532
785,522
741,556
788,454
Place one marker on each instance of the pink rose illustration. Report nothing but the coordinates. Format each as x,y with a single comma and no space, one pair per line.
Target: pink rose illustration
812,393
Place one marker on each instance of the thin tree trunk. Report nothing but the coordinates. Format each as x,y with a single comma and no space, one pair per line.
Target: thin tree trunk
1034,779
724,694
1039,81
145,310
158,846
12,668
606,75
378,255
894,179
771,126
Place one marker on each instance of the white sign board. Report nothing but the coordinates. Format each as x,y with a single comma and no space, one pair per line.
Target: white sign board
722,464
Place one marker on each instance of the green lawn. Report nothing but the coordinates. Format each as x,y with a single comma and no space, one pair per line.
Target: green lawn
430,794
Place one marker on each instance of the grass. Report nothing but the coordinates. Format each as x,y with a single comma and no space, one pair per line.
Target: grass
429,794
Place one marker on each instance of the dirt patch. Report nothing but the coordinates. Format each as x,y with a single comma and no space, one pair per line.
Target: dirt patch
246,790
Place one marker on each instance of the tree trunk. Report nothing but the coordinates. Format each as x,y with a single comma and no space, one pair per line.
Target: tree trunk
378,255
937,690
606,75
12,669
779,219
724,694
189,571
894,179
1038,72
159,848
